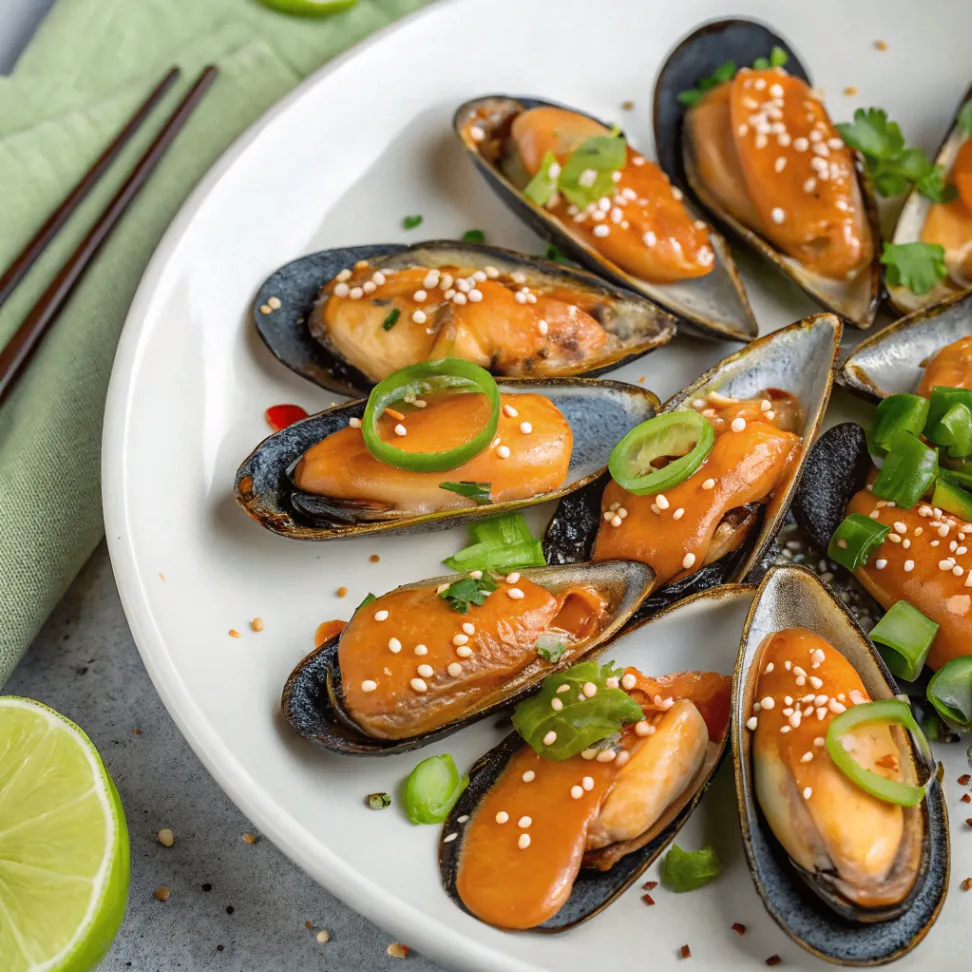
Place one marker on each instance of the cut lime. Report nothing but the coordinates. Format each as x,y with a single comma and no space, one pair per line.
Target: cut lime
64,854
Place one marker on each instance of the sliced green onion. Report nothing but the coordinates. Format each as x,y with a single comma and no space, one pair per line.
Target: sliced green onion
855,539
950,691
499,543
378,801
899,413
583,721
602,155
932,726
954,431
908,472
474,491
474,236
541,188
688,870
892,712
907,636
392,319
414,382
685,435
550,648
432,789
950,496
942,399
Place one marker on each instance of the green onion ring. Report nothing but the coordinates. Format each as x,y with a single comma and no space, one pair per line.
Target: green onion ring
418,380
893,712
686,435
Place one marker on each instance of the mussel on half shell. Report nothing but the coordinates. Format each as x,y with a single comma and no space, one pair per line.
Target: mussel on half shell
797,360
266,491
707,626
947,224
713,305
847,274
297,332
838,903
314,700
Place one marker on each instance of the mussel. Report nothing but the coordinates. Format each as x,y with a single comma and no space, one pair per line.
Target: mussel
428,658
726,522
640,233
947,224
758,151
604,824
895,359
575,413
851,878
348,317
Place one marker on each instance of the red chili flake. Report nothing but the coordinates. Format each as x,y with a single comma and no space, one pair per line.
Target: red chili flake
966,798
648,899
738,928
649,886
280,416
964,780
686,952
774,960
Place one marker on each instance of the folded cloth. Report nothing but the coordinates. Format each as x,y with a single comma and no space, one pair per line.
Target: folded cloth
90,64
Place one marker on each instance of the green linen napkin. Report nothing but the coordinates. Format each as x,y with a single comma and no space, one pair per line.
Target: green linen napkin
91,63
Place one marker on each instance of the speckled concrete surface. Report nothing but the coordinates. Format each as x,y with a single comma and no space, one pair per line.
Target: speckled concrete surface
233,907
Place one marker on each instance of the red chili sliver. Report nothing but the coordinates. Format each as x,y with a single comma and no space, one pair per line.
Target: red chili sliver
280,416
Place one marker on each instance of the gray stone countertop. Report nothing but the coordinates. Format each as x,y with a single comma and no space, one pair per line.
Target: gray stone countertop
233,906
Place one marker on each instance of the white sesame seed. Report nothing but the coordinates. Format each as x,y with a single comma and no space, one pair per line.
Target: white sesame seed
708,484
679,513
524,842
880,564
542,327
780,164
341,290
460,299
649,238
556,704
460,639
419,296
503,452
529,776
767,703
426,671
512,578
526,428
355,423
464,651
502,817
356,293
420,650
601,230
752,722
419,685
400,430
381,615
576,792
394,646
662,501
616,520
606,756
688,560
588,754
550,738
777,215
510,412
368,685
589,690
628,682
807,793
476,133
454,669
738,424
909,565
343,275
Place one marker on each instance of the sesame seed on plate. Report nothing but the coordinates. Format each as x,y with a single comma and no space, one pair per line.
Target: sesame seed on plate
662,501
467,626
606,756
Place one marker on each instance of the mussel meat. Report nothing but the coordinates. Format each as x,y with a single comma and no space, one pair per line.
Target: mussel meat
760,153
578,183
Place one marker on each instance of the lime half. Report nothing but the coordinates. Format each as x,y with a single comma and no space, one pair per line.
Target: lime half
64,854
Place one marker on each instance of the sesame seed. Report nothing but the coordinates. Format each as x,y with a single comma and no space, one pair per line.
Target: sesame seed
616,520
752,722
394,646
510,412
708,484
807,793
400,430
780,164
777,215
909,565
529,776
514,593
461,298
550,738
381,615
356,293
454,669
502,817
606,756
355,423
589,690
460,639
880,564
419,685
662,501
503,452
526,428
601,230
576,792
476,133
524,842
688,560
679,513
420,650
628,681
464,651
556,704
738,424
649,238
368,685
542,327
767,703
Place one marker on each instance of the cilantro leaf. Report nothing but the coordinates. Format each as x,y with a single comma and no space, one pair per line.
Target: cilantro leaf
917,266
550,648
873,134
932,185
726,72
468,590
476,491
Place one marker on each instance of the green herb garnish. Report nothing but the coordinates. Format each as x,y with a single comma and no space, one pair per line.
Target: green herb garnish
917,266
726,72
553,253
891,165
392,319
542,187
689,870
475,491
474,236
378,801
468,590
583,719
410,222
586,175
550,648
368,599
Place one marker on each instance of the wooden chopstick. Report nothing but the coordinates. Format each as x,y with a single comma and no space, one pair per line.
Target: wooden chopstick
35,325
29,254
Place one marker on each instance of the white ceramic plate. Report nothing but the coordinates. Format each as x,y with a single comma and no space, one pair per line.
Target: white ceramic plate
341,161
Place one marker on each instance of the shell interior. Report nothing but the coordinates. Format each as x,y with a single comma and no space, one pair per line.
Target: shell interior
890,361
312,700
811,908
715,305
798,359
295,336
697,56
265,491
721,608
911,222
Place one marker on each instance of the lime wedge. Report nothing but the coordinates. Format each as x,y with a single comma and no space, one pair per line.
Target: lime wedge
64,854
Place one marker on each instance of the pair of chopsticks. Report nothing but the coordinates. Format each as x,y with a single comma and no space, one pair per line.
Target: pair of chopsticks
16,354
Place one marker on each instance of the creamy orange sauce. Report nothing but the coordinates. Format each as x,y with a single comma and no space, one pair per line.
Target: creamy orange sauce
564,808
816,812
496,319
411,663
675,532
766,148
927,564
529,455
950,224
643,226
951,367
